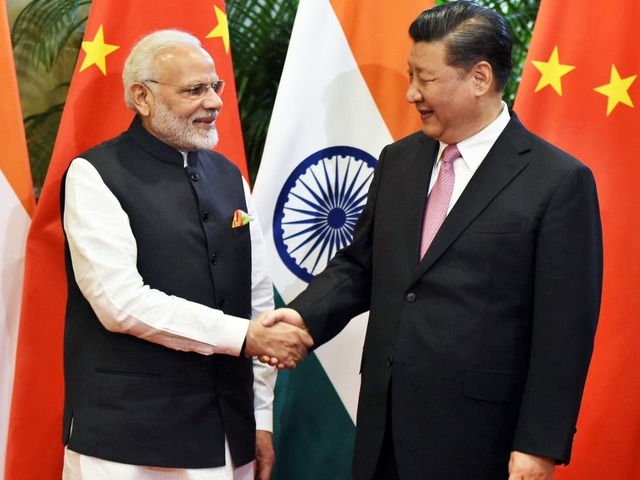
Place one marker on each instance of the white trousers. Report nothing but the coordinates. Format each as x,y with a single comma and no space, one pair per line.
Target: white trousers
83,467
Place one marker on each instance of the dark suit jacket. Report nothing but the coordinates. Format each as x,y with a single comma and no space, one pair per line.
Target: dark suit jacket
485,343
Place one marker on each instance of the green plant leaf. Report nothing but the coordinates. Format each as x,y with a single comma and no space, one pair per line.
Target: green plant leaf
260,32
44,28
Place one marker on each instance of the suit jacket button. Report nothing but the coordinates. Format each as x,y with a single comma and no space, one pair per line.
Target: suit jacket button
411,297
195,176
389,360
221,303
213,258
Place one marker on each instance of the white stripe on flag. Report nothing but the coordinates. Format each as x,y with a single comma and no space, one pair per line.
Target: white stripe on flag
14,224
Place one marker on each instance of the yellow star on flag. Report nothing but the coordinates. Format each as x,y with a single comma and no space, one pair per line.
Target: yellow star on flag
97,52
617,90
552,72
222,29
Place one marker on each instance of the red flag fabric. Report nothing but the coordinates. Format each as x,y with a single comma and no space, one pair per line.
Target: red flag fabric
95,111
580,91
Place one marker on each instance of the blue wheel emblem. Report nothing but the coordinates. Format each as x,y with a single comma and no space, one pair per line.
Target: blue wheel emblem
318,207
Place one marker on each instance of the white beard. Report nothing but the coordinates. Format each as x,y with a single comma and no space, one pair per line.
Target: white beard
180,133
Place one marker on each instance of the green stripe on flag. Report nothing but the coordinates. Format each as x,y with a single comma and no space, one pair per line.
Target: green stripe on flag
313,433
277,299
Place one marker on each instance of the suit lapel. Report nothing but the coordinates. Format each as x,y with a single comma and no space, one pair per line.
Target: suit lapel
502,164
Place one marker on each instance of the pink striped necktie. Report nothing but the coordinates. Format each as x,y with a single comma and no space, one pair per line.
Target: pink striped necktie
439,198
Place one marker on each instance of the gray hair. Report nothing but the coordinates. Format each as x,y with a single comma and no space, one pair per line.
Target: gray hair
140,64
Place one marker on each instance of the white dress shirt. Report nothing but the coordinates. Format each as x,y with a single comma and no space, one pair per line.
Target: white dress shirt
104,253
473,151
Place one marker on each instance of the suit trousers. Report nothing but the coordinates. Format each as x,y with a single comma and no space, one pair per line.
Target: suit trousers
386,469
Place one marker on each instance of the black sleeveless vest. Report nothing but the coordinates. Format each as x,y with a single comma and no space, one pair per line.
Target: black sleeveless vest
132,401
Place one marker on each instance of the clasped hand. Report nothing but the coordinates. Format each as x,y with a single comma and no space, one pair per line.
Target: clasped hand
278,338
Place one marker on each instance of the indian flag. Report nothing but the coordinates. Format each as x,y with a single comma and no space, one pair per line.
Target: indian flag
341,99
17,200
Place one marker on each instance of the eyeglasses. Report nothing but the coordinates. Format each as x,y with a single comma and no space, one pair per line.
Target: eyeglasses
197,90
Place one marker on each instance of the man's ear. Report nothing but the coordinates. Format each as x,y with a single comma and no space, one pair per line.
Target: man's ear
142,98
482,78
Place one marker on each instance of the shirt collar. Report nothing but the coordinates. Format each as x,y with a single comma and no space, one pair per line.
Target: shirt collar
474,149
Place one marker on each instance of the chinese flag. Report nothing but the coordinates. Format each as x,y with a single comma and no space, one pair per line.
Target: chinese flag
95,111
580,91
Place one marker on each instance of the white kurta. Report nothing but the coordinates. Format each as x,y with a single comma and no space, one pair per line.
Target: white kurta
104,252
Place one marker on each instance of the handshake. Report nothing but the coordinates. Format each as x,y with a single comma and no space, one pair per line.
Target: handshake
279,338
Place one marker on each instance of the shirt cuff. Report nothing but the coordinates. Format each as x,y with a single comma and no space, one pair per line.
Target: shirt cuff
233,336
264,420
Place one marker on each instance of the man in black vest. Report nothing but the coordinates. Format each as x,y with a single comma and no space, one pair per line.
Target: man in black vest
166,266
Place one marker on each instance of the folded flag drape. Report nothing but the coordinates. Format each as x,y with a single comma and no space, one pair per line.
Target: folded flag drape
341,99
18,203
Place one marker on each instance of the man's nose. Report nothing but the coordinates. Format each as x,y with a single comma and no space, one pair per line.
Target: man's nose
413,94
212,100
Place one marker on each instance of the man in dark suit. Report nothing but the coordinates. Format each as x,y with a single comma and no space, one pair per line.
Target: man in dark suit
476,351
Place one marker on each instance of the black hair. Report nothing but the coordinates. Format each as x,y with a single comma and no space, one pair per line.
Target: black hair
471,33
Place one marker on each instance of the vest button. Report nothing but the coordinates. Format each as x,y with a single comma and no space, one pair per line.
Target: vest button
221,303
411,297
213,258
389,360
205,216
195,176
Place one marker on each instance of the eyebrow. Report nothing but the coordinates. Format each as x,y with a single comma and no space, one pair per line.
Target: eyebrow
200,82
